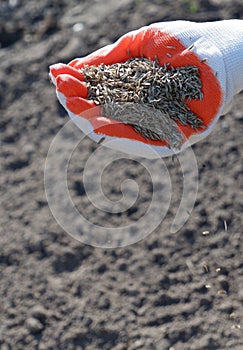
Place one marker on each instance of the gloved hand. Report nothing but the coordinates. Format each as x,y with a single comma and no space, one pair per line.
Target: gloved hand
215,47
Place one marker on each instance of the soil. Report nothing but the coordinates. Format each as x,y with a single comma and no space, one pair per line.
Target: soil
168,291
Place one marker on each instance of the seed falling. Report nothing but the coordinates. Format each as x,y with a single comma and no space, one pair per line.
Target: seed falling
147,96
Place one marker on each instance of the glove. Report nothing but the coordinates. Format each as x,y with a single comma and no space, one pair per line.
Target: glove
216,48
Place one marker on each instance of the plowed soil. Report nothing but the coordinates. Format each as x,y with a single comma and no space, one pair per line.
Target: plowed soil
181,291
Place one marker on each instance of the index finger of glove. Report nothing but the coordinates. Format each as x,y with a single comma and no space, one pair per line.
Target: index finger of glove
61,68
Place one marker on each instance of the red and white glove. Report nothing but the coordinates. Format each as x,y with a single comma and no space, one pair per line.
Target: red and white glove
215,47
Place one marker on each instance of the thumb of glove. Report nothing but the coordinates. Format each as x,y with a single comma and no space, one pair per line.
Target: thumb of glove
220,43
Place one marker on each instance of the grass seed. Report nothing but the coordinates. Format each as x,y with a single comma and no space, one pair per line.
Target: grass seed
147,96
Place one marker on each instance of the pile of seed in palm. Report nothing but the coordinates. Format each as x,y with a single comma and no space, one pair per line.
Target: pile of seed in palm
147,96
